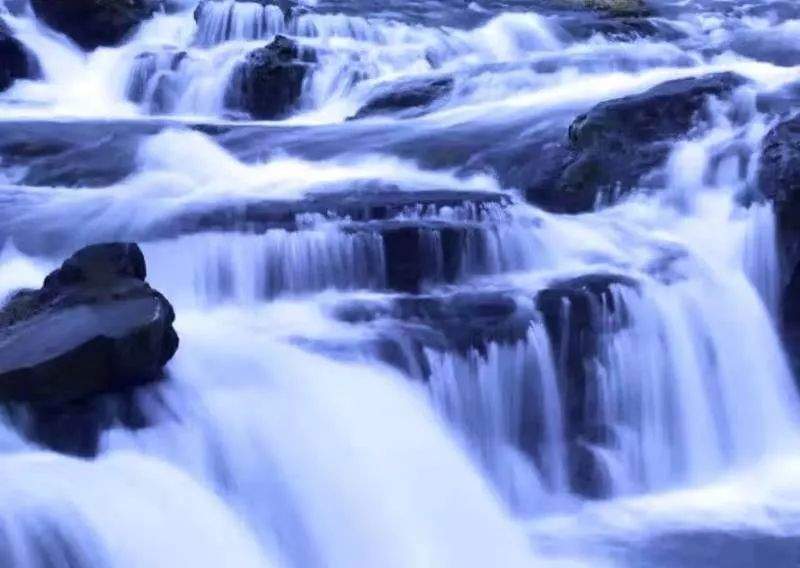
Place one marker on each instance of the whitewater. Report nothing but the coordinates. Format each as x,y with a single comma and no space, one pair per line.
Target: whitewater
330,404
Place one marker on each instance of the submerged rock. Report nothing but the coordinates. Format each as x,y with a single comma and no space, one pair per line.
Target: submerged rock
94,23
16,61
409,98
614,145
269,83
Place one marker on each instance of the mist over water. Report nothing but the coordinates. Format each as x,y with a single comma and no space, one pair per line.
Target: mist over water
389,356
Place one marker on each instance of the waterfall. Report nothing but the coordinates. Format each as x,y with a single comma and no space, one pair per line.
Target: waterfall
497,284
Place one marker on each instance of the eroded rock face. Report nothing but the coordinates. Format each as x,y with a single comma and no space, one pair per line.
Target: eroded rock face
614,145
16,61
269,83
94,23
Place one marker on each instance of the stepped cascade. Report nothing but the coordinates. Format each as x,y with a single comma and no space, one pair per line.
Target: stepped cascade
357,283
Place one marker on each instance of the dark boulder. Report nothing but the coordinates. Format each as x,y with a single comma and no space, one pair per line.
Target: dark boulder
407,99
95,327
16,61
269,83
73,352
611,148
94,23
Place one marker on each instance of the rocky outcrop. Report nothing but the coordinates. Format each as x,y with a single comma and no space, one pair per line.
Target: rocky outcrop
779,181
94,23
611,148
16,61
269,83
407,99
94,329
779,178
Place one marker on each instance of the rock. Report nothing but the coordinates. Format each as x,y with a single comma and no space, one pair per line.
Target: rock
619,28
614,7
153,82
16,61
611,148
779,181
409,98
579,314
94,23
269,83
772,45
589,476
94,328
779,178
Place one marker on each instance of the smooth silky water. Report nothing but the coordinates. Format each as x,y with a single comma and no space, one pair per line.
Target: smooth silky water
283,438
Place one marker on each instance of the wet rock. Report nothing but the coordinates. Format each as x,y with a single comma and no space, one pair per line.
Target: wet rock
579,316
465,321
617,143
154,80
588,475
615,7
94,23
417,254
74,428
16,61
773,45
95,327
462,322
779,178
407,99
626,28
779,181
269,83
78,154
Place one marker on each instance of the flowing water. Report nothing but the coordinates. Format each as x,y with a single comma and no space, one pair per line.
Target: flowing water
322,409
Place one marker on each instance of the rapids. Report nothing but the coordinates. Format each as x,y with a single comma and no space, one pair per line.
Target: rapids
331,404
